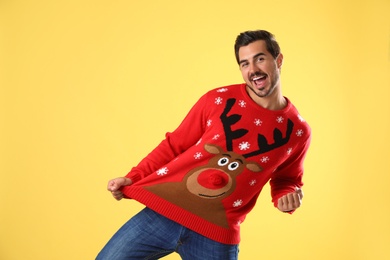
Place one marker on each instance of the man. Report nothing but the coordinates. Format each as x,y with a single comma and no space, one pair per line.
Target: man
202,180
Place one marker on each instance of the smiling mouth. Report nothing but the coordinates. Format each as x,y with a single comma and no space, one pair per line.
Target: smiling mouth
259,80
209,196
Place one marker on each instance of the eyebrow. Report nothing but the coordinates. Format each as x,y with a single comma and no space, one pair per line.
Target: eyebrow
240,161
254,57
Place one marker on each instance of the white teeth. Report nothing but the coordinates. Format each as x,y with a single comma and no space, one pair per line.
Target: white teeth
258,78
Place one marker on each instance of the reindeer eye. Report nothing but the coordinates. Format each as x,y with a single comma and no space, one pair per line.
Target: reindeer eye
233,166
223,161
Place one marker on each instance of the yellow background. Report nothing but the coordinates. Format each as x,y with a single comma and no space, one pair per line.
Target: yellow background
90,87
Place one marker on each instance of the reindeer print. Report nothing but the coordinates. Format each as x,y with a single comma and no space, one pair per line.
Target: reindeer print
203,188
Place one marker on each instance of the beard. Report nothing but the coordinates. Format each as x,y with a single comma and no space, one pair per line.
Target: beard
264,92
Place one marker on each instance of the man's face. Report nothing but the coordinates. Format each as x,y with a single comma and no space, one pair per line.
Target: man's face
259,69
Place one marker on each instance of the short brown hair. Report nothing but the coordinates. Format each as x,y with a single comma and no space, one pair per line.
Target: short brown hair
245,38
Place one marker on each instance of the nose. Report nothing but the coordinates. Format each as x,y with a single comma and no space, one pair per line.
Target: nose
253,69
213,179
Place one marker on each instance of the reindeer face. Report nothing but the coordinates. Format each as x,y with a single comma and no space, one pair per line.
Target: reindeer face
217,178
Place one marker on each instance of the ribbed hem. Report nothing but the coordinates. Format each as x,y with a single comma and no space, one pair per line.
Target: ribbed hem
183,217
134,176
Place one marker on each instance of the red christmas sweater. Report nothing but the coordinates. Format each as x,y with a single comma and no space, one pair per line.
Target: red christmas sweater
207,174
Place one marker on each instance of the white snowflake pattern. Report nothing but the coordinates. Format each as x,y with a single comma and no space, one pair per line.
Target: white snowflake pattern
301,118
258,122
162,171
252,182
299,132
222,90
244,146
242,103
279,119
209,122
264,159
200,140
239,222
218,100
237,203
289,150
215,137
198,155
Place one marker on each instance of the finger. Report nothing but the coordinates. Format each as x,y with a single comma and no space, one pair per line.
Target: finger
300,193
117,195
285,202
280,202
291,199
113,185
297,201
110,185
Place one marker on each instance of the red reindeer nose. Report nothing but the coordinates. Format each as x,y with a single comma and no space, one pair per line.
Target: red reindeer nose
213,179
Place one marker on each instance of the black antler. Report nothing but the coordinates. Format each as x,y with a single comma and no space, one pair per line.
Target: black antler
228,121
278,140
262,142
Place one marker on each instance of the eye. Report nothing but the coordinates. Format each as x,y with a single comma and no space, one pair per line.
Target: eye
260,59
223,161
244,65
233,166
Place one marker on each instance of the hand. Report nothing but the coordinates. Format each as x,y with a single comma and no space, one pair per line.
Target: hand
290,201
114,186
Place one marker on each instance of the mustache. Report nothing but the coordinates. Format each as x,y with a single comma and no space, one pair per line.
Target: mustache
257,74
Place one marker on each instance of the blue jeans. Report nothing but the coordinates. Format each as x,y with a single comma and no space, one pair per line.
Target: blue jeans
149,235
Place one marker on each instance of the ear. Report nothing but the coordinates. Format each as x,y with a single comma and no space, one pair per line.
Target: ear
254,167
213,149
279,60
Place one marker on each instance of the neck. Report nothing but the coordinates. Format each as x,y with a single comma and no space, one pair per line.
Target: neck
275,101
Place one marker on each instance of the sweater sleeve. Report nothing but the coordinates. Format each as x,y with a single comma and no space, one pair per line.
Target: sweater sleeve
289,175
186,135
